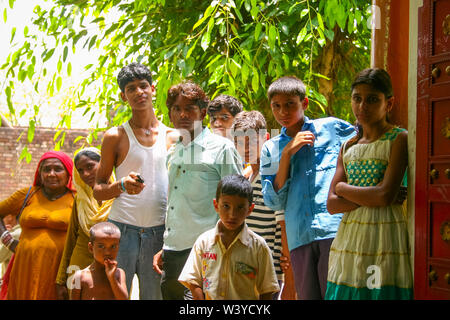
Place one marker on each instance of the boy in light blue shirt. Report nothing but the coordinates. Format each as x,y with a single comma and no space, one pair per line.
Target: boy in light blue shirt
196,164
296,171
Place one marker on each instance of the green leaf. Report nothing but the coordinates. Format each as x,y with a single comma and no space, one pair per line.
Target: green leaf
58,83
13,33
78,139
48,54
236,10
244,73
304,13
206,38
206,15
301,35
66,51
320,20
258,30
92,42
291,9
341,16
272,36
31,129
30,71
255,81
191,49
24,154
285,29
69,69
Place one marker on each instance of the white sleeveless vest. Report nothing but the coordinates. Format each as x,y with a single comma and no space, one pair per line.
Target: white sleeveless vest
147,209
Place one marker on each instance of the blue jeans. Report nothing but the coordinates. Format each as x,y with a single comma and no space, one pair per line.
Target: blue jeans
136,251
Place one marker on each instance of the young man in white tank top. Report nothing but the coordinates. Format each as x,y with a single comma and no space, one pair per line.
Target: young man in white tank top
137,150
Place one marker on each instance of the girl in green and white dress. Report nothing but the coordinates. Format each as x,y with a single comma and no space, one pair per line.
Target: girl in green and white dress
370,256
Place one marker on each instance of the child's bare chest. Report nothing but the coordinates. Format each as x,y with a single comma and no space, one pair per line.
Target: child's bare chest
97,288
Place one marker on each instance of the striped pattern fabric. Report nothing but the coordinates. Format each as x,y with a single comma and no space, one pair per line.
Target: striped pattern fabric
263,222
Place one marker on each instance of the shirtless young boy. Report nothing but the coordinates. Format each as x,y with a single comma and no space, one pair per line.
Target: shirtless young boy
102,280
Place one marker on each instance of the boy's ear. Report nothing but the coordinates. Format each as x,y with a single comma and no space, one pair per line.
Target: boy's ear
216,205
250,209
123,97
305,103
90,248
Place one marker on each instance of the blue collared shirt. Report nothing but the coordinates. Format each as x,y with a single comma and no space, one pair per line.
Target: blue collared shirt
304,195
194,172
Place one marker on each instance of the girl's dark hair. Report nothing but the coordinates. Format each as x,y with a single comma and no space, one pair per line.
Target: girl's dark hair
87,153
190,91
132,72
235,184
379,80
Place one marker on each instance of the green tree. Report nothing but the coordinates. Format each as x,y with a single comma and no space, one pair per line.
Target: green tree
236,47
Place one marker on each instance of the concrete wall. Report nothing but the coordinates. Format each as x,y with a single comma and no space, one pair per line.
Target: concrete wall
12,140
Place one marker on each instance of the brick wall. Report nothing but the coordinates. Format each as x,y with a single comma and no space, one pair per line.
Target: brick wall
13,175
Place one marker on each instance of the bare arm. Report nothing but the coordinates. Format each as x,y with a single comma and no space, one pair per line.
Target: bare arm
158,262
385,192
116,277
197,292
335,203
75,292
301,139
102,189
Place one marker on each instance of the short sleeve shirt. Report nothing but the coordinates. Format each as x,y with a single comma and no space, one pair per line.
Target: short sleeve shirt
194,173
244,271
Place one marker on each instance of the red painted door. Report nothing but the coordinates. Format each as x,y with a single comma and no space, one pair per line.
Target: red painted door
432,219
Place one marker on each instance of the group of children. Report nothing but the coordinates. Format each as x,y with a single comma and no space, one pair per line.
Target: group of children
338,192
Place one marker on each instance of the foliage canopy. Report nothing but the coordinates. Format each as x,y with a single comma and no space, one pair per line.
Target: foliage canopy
235,47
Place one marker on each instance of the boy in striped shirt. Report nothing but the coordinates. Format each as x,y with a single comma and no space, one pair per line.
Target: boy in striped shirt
250,133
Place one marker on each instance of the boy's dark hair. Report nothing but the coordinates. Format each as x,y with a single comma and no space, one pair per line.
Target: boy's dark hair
246,120
107,227
235,184
233,105
132,72
190,91
289,85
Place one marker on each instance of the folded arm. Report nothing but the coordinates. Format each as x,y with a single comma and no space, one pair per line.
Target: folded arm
385,192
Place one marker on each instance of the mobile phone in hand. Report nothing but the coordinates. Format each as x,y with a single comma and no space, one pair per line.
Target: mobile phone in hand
139,179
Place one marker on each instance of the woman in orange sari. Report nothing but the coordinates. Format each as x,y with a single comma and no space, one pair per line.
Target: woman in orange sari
44,222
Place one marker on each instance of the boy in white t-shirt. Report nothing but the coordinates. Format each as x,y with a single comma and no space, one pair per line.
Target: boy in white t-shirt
231,262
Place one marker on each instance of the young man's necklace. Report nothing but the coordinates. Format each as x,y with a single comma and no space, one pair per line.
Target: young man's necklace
147,132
